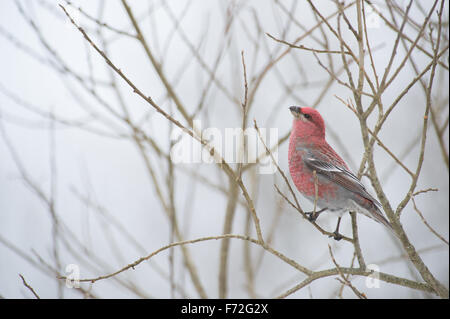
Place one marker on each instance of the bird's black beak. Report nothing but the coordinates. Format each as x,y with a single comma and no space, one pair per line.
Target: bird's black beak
296,111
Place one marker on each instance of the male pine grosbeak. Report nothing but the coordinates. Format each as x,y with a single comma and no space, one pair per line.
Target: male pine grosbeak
338,189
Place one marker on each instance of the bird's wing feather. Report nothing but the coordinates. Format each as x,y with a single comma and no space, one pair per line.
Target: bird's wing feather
340,175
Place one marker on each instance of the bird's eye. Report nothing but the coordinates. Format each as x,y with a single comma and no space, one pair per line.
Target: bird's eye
307,116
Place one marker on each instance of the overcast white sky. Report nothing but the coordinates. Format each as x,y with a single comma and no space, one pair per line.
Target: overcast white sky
111,172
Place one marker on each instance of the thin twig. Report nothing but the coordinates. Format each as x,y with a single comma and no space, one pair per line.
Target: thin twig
29,287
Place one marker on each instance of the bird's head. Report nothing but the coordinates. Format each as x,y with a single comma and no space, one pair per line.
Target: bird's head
307,122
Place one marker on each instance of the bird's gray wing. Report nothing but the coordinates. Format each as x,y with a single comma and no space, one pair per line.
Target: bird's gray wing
340,175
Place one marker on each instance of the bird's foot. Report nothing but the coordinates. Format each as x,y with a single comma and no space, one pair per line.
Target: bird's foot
312,216
336,236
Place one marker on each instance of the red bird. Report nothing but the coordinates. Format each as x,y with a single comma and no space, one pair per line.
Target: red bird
338,189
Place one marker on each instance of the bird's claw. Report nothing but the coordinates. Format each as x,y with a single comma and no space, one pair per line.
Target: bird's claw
311,216
336,236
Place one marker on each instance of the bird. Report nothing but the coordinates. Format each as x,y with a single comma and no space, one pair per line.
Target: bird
316,168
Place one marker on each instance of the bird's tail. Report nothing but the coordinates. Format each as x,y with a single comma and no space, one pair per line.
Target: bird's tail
372,209
377,215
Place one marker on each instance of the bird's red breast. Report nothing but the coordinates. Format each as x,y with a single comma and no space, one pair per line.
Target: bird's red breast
302,175
306,135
